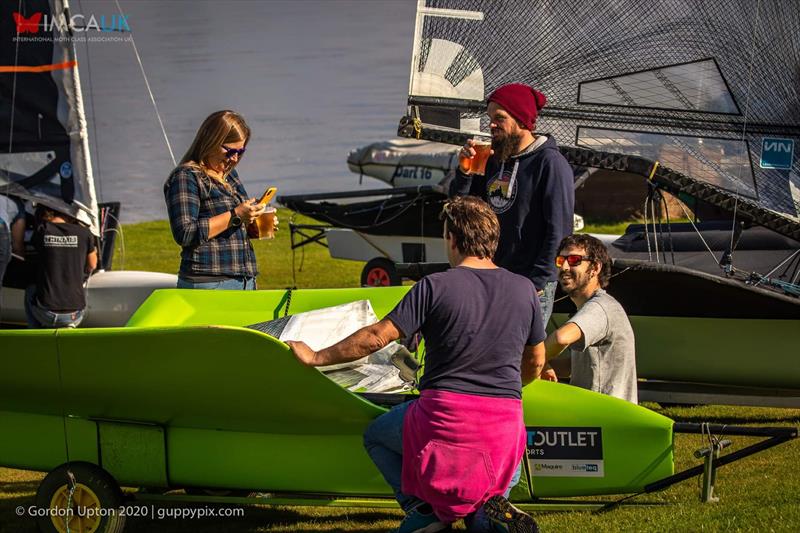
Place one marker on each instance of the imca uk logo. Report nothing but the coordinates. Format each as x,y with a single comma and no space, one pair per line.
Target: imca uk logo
78,22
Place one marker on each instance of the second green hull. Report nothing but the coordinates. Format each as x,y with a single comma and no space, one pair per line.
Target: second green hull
743,352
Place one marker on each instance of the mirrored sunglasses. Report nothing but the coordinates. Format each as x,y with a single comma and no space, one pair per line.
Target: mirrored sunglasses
572,260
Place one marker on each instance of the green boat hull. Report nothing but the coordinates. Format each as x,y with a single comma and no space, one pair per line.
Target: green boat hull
744,352
185,396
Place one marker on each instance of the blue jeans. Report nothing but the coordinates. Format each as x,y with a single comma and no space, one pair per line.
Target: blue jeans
546,301
383,440
229,284
39,317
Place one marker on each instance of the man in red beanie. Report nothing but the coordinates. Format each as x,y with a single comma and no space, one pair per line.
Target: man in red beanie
529,185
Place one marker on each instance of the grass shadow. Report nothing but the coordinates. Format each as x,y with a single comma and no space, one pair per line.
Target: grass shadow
736,420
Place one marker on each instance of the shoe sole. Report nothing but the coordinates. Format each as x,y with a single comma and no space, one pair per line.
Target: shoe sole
500,510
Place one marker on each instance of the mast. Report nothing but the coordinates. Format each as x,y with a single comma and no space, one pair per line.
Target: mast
77,130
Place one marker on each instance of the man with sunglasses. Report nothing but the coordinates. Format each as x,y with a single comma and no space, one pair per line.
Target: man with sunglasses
600,337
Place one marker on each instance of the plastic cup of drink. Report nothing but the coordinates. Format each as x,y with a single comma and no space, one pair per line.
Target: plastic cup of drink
266,223
477,164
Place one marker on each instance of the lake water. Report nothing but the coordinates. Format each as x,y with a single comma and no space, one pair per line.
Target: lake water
314,79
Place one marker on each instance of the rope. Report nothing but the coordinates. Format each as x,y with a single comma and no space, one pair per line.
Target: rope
288,300
119,231
72,486
744,126
406,205
13,94
149,90
768,274
669,229
656,230
646,229
698,232
610,278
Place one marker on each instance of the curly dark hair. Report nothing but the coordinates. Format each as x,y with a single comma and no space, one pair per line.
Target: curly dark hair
473,224
594,249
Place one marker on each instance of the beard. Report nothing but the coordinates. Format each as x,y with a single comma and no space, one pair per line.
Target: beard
505,145
573,282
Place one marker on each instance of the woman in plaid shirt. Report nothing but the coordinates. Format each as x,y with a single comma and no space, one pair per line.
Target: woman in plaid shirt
209,209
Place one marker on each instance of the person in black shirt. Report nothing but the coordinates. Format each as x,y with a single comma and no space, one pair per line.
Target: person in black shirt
67,254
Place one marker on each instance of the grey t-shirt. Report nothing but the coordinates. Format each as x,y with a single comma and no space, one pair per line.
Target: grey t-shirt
605,359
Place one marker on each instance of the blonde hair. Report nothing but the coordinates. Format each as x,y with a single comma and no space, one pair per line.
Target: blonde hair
221,127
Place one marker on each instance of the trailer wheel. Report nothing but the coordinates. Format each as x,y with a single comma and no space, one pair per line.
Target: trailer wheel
81,497
379,272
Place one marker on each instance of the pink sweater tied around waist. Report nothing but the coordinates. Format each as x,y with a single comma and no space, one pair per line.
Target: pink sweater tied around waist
459,450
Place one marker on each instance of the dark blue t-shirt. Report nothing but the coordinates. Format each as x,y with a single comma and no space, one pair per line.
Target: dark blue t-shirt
476,323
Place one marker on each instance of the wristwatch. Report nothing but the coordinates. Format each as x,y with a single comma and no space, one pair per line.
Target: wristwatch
236,220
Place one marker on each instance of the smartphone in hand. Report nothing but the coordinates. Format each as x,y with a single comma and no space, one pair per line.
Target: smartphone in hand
268,195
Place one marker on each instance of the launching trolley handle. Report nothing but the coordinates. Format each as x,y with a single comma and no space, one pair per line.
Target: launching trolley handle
712,457
776,435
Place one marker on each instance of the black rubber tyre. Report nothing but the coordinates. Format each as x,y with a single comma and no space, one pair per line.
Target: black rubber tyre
379,272
95,489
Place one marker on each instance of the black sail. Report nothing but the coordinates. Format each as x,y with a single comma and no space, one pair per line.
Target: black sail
709,88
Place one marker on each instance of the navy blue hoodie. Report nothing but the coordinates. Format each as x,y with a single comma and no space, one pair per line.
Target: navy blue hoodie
535,206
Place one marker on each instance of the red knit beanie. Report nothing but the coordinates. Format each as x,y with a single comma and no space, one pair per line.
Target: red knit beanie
520,101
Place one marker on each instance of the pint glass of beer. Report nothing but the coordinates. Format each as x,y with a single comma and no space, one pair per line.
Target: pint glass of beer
477,164
266,223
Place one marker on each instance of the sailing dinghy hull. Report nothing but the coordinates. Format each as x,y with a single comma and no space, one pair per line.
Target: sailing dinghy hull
165,401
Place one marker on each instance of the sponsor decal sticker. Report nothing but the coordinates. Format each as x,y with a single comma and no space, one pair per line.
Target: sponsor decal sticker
565,451
66,169
413,173
777,153
61,241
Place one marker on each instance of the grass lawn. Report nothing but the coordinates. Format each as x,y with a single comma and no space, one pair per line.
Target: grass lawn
759,493
149,246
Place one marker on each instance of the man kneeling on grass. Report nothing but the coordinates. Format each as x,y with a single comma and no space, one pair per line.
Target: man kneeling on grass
456,451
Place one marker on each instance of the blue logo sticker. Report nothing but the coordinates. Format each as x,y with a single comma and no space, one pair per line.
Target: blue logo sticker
777,153
66,169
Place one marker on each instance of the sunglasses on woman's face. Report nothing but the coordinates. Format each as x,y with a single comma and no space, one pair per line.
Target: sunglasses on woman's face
572,260
230,152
